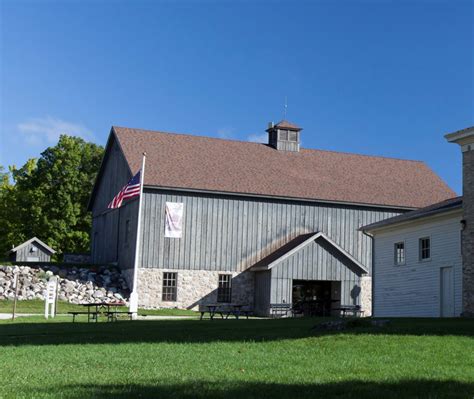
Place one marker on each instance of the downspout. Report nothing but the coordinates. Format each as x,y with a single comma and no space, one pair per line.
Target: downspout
372,271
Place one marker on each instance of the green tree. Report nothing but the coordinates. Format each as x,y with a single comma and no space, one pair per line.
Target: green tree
48,197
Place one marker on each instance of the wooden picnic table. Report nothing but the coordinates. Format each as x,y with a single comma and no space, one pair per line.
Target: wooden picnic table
100,308
235,310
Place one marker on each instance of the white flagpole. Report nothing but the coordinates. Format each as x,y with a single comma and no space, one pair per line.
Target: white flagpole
134,293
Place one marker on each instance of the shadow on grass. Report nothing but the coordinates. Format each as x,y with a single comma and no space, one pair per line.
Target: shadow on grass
253,390
195,331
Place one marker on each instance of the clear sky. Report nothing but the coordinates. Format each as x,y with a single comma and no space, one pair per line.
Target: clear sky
381,77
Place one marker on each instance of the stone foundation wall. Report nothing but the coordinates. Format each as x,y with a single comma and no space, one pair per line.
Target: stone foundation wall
194,287
366,295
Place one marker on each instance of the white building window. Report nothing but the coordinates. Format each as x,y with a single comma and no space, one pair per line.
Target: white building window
399,253
425,248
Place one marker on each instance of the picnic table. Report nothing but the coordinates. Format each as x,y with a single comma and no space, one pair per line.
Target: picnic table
224,311
109,309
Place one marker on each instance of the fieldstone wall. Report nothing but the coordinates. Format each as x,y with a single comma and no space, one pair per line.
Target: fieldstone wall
194,287
366,295
468,233
76,285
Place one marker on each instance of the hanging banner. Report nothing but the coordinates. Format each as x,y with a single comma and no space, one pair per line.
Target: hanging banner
174,219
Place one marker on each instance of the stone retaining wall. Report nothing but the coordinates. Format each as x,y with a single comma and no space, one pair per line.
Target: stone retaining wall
76,285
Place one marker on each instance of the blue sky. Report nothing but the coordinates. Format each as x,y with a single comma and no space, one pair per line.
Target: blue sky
373,77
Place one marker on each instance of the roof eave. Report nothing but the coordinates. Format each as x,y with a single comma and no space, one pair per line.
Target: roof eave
386,224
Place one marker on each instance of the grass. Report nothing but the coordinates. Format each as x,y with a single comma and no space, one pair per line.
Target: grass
286,358
36,306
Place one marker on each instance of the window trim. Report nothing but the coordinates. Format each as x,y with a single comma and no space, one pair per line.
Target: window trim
420,250
175,287
227,295
395,253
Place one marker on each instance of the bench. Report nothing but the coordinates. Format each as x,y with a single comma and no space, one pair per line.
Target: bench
346,310
280,309
90,315
113,315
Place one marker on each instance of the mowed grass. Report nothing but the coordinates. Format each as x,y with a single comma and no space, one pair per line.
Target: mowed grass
36,306
286,358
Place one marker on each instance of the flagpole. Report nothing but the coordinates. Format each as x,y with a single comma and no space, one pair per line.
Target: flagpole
134,293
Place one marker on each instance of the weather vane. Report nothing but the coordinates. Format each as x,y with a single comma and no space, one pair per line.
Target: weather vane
285,108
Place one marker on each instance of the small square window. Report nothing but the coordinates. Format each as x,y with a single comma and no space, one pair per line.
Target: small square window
425,248
224,289
399,253
292,136
283,135
169,287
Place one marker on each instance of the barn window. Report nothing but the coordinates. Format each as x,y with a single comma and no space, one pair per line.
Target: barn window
283,135
425,248
169,286
399,253
292,136
224,289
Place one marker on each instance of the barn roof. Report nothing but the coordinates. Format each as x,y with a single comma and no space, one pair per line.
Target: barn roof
434,209
184,161
34,239
296,245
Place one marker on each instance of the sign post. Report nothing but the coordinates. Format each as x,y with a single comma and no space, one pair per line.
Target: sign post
50,297
15,298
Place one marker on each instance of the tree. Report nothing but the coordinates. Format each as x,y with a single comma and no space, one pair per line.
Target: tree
49,197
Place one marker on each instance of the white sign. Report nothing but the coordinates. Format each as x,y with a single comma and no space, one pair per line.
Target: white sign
174,219
50,297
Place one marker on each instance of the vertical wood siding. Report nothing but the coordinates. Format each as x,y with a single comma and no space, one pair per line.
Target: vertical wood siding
233,233
115,175
413,289
23,253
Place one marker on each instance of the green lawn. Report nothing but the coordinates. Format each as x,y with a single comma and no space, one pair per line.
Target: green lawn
283,358
37,306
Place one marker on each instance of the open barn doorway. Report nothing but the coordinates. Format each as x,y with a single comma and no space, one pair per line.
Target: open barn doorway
315,298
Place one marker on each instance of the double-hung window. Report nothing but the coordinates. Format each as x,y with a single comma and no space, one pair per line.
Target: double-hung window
224,289
169,292
425,248
399,253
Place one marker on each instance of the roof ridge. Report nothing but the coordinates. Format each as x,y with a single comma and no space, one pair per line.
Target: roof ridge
199,136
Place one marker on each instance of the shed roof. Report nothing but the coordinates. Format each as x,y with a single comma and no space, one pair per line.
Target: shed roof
34,239
434,209
297,244
189,162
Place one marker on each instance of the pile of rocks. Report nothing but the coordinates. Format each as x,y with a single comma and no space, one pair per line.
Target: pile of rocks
76,285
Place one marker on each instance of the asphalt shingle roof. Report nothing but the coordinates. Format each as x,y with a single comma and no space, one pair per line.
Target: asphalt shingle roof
210,164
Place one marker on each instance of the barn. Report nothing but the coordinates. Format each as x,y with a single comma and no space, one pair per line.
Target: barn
262,223
33,250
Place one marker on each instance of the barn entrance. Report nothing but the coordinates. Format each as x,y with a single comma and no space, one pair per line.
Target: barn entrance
315,298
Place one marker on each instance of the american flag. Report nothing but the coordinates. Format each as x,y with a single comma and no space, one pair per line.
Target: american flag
131,189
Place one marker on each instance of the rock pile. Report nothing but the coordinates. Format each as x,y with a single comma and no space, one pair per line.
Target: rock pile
76,285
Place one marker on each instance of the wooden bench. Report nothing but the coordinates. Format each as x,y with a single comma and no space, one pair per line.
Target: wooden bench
346,310
90,315
113,315
280,309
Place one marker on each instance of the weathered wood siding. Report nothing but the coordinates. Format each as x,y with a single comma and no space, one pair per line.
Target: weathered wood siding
115,175
317,261
108,225
413,289
224,232
24,253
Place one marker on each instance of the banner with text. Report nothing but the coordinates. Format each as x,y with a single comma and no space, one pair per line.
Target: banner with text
174,219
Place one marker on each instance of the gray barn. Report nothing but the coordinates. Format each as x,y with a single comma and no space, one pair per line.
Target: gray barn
33,250
262,223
